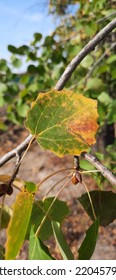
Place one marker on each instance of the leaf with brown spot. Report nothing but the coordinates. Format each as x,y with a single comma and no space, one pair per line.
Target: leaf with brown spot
63,122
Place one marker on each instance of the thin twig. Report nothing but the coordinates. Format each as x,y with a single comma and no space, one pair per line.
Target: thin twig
57,183
53,201
105,171
98,62
83,53
106,17
89,196
1,209
18,150
76,162
16,169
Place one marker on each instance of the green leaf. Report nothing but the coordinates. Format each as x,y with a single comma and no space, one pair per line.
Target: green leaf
103,68
24,79
3,87
104,98
3,65
22,109
94,83
3,126
61,242
111,59
111,116
63,122
5,216
113,73
33,87
32,69
23,93
16,62
2,101
90,28
2,252
37,250
30,187
58,212
48,41
32,56
12,49
87,247
87,61
23,50
73,50
104,203
84,164
37,37
18,224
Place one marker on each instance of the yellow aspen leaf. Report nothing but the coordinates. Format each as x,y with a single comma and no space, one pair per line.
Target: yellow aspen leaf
63,122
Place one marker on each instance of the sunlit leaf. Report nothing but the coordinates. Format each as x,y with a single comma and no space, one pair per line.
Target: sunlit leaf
30,187
104,98
111,116
87,247
37,250
61,242
111,59
16,62
104,203
18,224
87,61
22,109
94,83
2,101
63,122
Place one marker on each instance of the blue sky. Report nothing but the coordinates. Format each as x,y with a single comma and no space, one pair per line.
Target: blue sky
20,19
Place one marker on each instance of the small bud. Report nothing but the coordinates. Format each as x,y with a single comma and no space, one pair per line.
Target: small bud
75,181
10,190
76,177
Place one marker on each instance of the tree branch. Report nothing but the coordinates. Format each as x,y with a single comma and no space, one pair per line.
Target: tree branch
61,83
106,17
83,53
18,150
105,171
98,62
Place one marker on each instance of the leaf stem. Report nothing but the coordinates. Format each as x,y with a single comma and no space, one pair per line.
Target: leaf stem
90,200
54,173
2,205
56,185
42,222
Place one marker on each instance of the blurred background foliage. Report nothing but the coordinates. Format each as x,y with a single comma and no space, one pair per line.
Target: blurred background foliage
46,59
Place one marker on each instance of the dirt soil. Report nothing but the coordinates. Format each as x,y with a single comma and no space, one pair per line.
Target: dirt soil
36,165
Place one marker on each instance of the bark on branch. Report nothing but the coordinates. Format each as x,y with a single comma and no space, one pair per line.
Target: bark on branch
18,150
105,171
